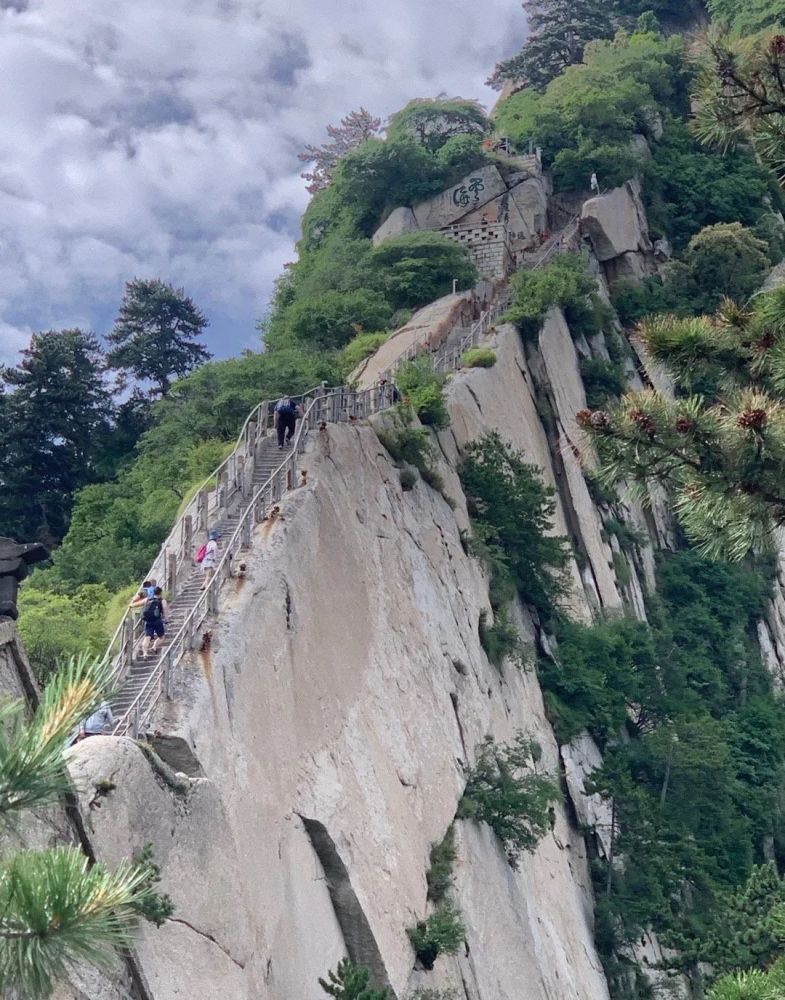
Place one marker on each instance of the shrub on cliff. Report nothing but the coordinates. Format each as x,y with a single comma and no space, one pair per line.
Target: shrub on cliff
564,282
512,514
350,982
441,933
442,858
359,348
424,388
479,357
416,268
505,791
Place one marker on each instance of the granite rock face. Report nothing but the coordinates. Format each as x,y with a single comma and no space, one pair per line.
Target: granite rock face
615,223
470,193
334,719
399,222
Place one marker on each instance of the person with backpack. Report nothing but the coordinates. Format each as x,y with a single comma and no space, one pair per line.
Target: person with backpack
98,724
285,418
154,618
207,556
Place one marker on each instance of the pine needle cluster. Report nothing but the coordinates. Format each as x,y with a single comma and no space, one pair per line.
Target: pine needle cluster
56,907
717,442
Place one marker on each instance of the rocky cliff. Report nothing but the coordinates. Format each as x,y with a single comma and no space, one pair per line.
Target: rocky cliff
329,727
319,744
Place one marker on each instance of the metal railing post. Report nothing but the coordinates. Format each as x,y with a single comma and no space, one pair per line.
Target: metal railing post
168,673
171,573
127,653
188,537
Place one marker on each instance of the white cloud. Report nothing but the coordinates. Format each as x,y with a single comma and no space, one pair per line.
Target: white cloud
158,139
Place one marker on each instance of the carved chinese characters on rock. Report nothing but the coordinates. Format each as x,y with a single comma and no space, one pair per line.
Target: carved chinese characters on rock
468,194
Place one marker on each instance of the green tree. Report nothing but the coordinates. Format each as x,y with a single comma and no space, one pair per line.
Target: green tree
719,446
740,95
558,33
57,909
564,282
505,791
515,117
419,267
751,16
333,319
154,336
353,130
688,188
350,982
433,122
54,627
749,929
512,517
54,416
726,261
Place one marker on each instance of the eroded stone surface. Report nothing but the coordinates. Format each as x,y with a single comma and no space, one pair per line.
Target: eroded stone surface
616,223
400,221
471,192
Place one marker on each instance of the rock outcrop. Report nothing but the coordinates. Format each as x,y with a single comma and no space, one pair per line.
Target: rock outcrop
334,719
509,207
399,222
615,223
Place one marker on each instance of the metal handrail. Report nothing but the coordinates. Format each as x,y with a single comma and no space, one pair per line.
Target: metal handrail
330,406
556,245
324,404
157,571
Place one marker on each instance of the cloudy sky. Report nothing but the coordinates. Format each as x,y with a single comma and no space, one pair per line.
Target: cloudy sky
159,138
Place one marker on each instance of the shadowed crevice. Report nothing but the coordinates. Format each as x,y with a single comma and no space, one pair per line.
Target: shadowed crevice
358,937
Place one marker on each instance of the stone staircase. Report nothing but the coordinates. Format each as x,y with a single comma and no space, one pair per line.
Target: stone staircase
142,668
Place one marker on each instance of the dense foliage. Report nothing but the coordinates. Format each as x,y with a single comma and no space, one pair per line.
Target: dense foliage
512,514
564,282
561,30
719,445
696,777
505,790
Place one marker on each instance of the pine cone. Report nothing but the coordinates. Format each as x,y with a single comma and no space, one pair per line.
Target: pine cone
684,425
643,422
765,343
753,420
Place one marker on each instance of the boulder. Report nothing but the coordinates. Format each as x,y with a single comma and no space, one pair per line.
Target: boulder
616,223
472,191
399,221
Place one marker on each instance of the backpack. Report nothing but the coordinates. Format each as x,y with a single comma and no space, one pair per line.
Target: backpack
285,406
201,553
152,610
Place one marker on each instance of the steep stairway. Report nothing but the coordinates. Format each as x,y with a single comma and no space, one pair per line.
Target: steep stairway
142,668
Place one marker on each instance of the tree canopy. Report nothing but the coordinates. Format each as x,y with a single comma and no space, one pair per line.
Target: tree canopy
54,417
155,333
354,129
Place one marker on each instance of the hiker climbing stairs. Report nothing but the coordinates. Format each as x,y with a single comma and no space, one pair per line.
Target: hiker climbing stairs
239,494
